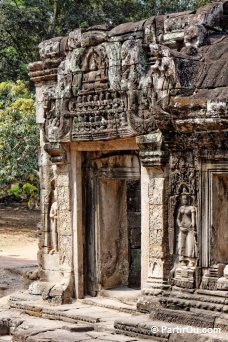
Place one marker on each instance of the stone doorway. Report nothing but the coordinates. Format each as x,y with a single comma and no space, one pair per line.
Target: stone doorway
112,222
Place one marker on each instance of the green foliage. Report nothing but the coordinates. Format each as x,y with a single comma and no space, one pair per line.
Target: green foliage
28,189
25,23
22,26
15,190
27,192
19,139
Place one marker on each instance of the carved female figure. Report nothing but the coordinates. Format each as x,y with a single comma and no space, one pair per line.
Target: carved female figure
53,226
186,221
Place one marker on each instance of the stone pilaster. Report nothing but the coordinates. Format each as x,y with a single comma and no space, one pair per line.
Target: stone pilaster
154,213
55,247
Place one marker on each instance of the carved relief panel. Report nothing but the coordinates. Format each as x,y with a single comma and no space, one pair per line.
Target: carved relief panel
183,218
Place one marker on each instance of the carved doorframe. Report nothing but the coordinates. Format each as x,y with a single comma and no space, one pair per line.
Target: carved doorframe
98,174
208,172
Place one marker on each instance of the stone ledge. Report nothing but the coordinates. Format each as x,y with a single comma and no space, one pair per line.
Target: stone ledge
210,302
135,328
186,318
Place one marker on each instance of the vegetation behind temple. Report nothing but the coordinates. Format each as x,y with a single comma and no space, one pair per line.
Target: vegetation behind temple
23,25
19,140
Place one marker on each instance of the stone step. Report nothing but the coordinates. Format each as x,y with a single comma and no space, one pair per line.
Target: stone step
24,328
164,331
197,318
100,316
95,316
201,299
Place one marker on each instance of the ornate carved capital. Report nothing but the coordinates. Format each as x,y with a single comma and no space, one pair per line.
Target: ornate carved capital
57,153
151,149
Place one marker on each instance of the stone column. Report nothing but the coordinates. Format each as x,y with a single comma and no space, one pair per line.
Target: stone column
62,291
48,265
154,213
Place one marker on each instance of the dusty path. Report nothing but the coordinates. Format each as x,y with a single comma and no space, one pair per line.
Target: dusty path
18,246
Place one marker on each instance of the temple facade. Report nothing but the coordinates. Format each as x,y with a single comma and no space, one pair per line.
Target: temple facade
134,161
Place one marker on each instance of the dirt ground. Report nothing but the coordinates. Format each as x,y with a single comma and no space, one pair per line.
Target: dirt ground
18,246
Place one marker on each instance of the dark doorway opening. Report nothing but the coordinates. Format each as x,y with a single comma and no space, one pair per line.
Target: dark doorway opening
134,232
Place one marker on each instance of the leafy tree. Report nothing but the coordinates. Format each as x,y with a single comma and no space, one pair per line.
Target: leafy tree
19,138
159,7
22,26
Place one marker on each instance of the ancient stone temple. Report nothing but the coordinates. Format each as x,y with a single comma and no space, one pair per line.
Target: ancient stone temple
134,161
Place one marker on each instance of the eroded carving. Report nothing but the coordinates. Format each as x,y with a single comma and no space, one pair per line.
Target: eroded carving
184,187
186,221
53,215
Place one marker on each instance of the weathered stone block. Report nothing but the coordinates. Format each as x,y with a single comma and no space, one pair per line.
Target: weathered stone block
50,262
156,221
65,222
50,276
222,322
186,318
74,40
65,251
62,178
64,198
155,191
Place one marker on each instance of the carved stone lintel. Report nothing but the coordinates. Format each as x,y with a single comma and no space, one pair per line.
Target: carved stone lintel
57,153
